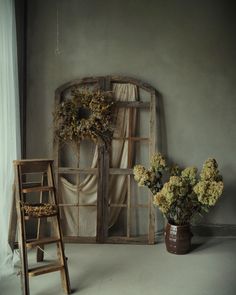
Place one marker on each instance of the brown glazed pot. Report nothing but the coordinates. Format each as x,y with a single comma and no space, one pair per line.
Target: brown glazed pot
178,238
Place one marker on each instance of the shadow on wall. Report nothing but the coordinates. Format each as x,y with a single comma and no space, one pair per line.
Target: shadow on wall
162,147
161,126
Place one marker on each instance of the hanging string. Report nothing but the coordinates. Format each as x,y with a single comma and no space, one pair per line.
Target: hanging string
57,49
46,253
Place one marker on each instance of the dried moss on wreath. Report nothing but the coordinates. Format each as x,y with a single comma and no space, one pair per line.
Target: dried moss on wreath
88,114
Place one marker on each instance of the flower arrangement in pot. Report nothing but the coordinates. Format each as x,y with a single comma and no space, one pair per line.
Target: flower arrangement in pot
184,195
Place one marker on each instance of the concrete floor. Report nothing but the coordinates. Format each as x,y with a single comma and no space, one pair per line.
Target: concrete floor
210,269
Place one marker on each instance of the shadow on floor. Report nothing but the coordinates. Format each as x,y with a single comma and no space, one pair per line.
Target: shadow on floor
201,244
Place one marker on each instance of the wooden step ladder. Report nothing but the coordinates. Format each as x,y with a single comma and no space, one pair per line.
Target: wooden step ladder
25,171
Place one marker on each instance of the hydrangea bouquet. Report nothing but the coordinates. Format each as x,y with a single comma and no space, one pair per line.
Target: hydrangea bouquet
185,194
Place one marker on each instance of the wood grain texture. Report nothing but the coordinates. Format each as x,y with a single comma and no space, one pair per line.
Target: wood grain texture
152,150
40,226
40,270
69,170
41,241
102,194
21,234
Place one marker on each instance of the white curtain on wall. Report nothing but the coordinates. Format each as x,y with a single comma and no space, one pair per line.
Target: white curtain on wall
9,124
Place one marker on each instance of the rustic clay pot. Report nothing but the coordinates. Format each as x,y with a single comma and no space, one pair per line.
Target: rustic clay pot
178,238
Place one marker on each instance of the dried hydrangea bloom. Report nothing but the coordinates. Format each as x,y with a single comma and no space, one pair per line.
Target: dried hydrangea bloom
168,192
208,192
175,188
160,200
184,194
210,170
141,175
190,175
158,162
175,181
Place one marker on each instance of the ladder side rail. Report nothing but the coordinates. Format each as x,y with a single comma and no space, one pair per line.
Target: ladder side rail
60,246
41,226
21,231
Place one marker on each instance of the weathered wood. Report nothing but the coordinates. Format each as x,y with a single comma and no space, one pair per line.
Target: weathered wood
77,205
40,223
70,170
128,226
23,242
138,83
122,171
105,83
56,147
132,104
131,206
152,150
40,163
132,138
102,194
40,270
28,217
129,165
97,79
32,165
78,183
118,205
112,171
103,179
110,205
60,246
40,226
37,189
21,234
41,242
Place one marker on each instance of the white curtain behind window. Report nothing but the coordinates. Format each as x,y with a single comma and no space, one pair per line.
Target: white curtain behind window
9,124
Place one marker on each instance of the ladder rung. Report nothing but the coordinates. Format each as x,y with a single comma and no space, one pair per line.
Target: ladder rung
36,271
33,166
27,217
37,189
44,241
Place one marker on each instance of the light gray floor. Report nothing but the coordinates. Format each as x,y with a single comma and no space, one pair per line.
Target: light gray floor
210,269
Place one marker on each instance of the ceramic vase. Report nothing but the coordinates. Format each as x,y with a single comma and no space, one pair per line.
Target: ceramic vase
178,238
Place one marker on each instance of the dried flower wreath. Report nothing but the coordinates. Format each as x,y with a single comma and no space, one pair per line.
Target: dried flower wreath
87,114
40,210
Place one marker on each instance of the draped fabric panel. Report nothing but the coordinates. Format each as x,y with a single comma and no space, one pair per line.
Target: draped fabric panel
9,125
82,222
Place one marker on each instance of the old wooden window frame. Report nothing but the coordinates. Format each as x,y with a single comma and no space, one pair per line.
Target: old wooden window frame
103,171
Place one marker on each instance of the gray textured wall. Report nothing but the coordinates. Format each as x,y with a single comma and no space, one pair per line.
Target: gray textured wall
186,49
